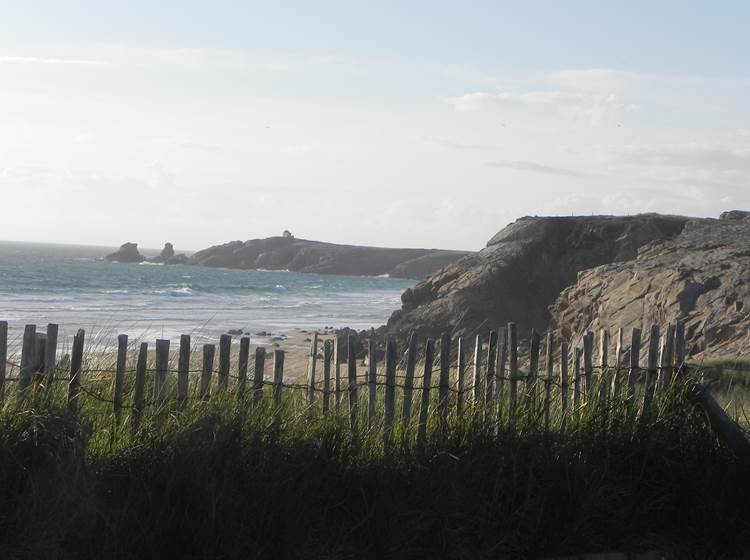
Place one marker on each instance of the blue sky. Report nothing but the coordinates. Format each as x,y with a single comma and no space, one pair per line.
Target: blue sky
427,123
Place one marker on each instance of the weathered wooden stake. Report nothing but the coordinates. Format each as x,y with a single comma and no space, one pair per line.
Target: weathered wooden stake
259,374
564,357
326,376
588,363
460,377
513,365
478,385
489,390
411,363
50,353
139,391
27,357
183,370
429,354
3,357
76,365
679,348
534,343
550,379
278,377
666,359
225,347
604,365
653,368
502,360
578,355
40,350
617,376
209,350
635,360
445,372
119,381
311,367
372,382
337,374
242,367
351,366
391,360
160,372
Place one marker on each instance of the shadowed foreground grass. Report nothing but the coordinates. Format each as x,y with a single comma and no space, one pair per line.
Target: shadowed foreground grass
218,482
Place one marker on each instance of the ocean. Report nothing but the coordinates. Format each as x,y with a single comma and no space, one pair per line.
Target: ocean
72,286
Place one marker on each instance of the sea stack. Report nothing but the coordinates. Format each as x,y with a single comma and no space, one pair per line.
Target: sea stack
127,253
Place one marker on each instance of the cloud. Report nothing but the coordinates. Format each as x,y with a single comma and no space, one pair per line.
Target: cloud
594,108
45,60
458,145
535,168
703,156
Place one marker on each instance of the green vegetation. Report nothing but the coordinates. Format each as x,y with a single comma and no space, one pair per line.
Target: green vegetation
222,480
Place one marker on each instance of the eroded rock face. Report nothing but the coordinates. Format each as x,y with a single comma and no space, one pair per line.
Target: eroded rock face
701,277
300,255
522,271
127,253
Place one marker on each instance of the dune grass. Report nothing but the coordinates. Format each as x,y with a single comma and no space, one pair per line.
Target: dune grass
222,480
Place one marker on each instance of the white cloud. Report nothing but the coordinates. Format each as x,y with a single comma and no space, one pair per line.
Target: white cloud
45,60
535,168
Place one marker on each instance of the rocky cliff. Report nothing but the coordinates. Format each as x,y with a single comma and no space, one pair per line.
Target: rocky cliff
701,276
301,255
523,270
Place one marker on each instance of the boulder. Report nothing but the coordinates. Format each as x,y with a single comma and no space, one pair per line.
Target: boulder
127,253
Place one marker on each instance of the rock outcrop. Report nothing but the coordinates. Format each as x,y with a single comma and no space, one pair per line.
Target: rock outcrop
168,256
301,255
127,253
701,276
522,271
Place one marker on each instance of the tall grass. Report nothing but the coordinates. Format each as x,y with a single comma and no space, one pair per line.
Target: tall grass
222,480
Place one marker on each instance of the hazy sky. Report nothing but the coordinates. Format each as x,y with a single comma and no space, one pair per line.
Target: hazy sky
386,123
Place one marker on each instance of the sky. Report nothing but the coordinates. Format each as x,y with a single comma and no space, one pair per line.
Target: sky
410,123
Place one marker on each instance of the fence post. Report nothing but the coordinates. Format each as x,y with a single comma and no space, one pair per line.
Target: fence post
160,373
372,387
666,359
502,360
445,372
243,362
578,355
278,377
311,366
391,360
478,386
424,408
489,392
183,369
351,365
337,374
3,357
513,365
617,377
27,357
679,348
209,350
651,373
40,347
534,344
549,379
564,351
50,353
635,360
604,365
411,364
119,382
225,347
460,377
76,363
326,376
588,363
139,392
259,374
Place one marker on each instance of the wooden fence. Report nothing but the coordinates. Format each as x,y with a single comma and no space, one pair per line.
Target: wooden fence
494,377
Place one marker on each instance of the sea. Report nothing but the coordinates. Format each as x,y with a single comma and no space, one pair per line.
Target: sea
73,287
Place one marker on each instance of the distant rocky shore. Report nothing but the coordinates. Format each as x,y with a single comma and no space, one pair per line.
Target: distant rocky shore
286,252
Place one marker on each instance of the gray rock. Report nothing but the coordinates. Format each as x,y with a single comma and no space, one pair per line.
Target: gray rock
127,253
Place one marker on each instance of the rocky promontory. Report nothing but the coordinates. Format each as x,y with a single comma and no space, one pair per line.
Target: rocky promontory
129,253
301,255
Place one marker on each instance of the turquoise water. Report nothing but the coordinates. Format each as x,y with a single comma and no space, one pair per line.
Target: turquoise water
71,286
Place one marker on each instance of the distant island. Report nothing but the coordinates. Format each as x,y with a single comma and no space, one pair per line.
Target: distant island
285,252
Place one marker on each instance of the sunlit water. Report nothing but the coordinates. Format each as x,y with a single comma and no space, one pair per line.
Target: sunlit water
71,286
